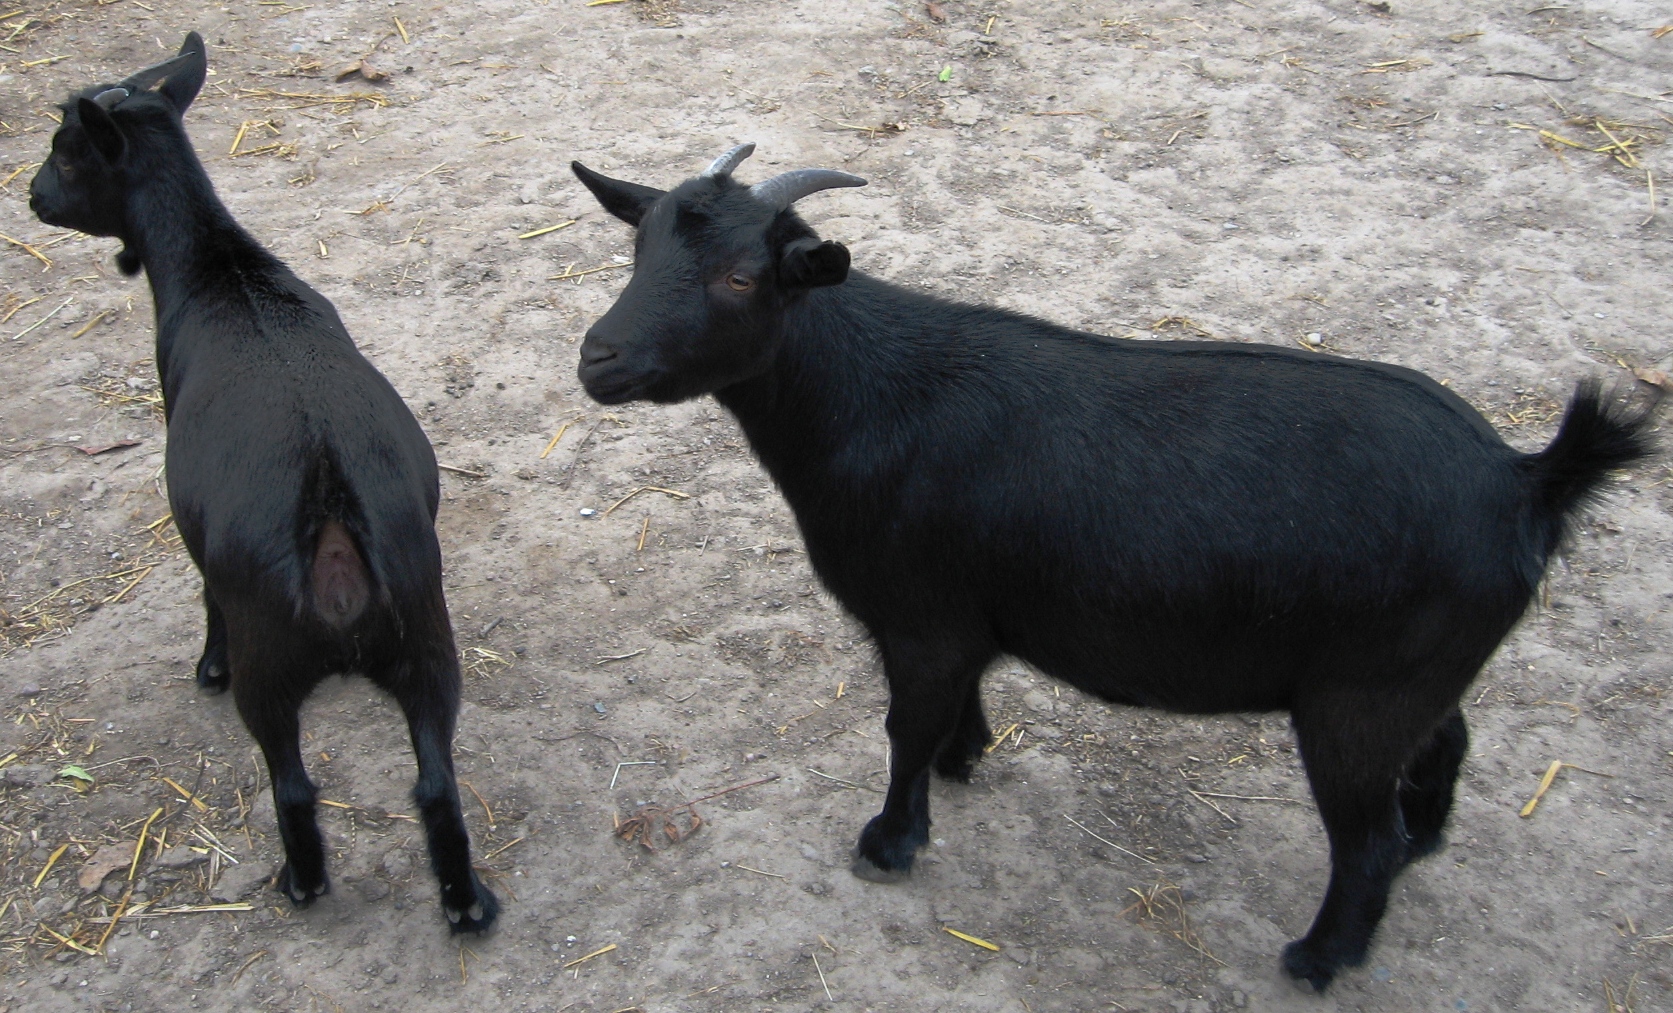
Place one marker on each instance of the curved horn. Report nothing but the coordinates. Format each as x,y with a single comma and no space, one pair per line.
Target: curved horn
787,188
724,165
110,98
143,79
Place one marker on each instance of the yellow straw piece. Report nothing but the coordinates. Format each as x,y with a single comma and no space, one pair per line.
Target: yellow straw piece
983,943
50,862
1544,786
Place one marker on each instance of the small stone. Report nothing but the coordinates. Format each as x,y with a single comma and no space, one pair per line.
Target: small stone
28,775
1037,701
236,883
180,857
588,511
29,689
1315,338
372,889
1239,999
397,865
598,707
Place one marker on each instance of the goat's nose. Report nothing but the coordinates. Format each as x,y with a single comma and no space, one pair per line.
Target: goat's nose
594,352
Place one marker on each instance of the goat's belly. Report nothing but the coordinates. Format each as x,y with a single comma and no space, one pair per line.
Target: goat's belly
1179,673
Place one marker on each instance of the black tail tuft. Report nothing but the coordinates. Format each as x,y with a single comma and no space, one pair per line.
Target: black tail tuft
1599,433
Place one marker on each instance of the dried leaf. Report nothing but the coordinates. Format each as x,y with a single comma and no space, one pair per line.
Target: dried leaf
118,445
108,859
364,69
1654,377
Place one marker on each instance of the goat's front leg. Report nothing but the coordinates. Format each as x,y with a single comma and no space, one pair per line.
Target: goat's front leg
213,668
428,693
930,685
274,723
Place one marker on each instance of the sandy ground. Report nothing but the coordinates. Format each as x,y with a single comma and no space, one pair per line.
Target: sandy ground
1373,177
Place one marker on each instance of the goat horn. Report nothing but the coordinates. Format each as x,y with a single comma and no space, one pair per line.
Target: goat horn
110,97
724,165
141,80
787,188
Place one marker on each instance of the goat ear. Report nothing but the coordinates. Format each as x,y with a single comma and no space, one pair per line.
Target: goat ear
627,201
101,130
181,87
809,263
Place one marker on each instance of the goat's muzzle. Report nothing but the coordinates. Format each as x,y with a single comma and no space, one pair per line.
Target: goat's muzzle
600,371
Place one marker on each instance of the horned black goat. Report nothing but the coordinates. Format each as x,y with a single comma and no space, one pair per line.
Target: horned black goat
1196,526
303,488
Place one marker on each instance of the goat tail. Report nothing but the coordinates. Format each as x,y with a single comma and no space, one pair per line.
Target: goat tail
1599,433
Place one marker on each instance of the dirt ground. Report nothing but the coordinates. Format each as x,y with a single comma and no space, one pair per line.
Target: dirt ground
1429,183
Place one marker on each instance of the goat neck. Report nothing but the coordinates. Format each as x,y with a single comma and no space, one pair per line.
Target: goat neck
178,230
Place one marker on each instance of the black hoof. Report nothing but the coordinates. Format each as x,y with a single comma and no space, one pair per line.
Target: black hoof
478,916
1424,846
881,859
301,894
956,766
864,868
1308,967
212,674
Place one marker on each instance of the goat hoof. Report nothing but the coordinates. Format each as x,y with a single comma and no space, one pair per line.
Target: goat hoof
478,917
864,868
299,895
1308,967
958,767
212,678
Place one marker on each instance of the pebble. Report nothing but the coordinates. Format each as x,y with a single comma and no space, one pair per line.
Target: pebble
588,511
29,689
180,857
28,775
397,865
1315,338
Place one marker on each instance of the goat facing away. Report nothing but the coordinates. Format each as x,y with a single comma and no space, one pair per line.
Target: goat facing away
1197,526
303,488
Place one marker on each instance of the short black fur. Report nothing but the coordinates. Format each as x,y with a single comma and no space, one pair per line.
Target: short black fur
304,489
1196,526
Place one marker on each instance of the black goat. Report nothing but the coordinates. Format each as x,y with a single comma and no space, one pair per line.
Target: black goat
1197,526
303,487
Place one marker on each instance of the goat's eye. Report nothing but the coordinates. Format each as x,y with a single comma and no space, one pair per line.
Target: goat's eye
740,282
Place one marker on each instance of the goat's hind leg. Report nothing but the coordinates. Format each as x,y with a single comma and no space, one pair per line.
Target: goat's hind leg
964,749
428,692
1355,747
269,710
1426,789
213,668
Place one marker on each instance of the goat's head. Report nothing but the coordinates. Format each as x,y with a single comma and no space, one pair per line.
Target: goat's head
715,264
101,147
